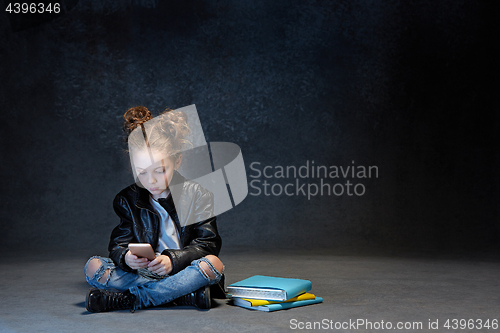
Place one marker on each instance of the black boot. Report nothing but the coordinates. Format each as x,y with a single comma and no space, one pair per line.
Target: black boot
199,298
217,290
100,300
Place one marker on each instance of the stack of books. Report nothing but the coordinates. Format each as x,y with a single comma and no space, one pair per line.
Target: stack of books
269,293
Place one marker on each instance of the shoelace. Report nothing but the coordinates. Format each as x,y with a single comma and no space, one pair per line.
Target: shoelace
114,301
188,299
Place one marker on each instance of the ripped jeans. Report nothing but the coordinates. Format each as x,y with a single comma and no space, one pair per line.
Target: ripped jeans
150,291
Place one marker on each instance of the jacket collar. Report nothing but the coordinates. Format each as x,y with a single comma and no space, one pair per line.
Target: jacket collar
167,203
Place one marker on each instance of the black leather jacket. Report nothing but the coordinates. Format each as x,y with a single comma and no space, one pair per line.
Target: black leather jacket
139,223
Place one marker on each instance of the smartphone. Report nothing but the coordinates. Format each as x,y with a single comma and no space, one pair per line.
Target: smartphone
143,250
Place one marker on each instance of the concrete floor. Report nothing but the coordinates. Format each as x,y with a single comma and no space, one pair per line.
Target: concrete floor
39,294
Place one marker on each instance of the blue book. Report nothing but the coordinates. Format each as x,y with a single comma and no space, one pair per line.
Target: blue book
269,288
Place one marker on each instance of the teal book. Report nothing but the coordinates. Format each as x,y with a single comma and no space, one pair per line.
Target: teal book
269,288
281,306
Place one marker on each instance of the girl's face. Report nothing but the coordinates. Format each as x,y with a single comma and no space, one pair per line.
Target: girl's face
156,174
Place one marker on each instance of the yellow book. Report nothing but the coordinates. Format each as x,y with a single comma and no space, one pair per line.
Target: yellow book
257,302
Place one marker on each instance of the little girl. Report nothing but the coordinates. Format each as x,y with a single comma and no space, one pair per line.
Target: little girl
186,262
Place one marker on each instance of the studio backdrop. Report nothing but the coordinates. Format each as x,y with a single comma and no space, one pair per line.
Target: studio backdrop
362,125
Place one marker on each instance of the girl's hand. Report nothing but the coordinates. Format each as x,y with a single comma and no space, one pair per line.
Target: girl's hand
162,265
135,262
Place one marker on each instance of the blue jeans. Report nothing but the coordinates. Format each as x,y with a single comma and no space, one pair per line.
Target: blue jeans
150,291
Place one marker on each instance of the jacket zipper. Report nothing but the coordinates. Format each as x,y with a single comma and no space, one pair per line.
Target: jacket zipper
155,224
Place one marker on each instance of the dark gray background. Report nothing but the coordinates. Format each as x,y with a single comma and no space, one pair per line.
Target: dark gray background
408,86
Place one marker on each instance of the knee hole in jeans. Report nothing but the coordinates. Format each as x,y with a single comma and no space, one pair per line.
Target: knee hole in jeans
208,270
92,268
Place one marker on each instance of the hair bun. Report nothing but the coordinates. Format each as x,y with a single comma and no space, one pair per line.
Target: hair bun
134,117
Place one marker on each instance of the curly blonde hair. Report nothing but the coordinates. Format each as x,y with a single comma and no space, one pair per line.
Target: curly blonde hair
166,132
